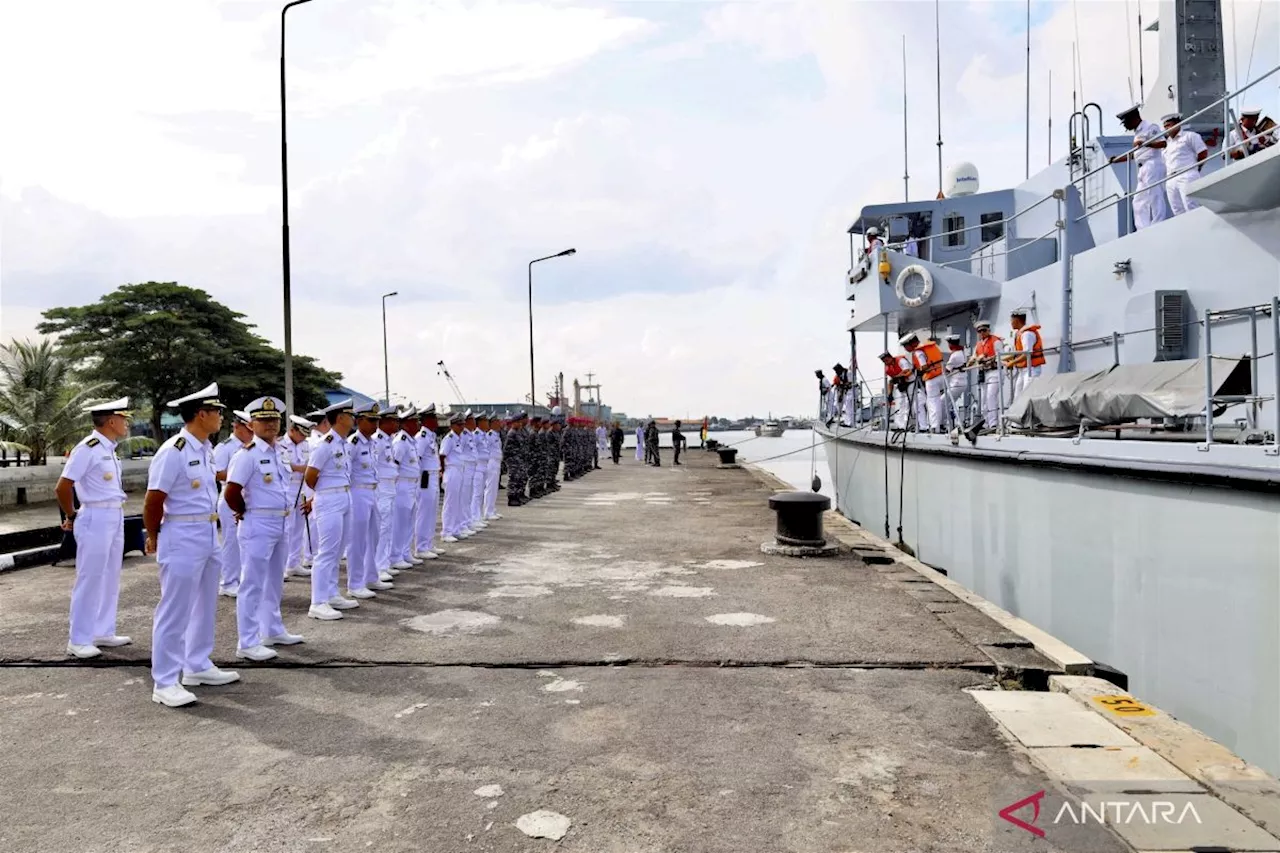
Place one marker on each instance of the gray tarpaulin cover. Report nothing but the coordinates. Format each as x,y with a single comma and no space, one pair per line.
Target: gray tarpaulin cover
1126,392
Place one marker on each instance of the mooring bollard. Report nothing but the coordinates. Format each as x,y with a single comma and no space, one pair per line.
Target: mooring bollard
728,455
800,518
712,445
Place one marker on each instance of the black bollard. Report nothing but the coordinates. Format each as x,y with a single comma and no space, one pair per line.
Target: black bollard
712,444
800,518
728,455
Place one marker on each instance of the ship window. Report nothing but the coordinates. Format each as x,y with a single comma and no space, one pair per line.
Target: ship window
992,226
953,222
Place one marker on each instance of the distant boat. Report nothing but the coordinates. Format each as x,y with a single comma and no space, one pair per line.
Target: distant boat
770,429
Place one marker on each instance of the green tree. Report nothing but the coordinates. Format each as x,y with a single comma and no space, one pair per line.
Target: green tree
40,399
159,340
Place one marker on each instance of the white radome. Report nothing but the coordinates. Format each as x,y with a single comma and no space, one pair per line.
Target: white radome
961,179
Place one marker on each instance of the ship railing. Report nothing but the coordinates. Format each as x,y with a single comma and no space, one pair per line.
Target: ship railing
963,407
1222,102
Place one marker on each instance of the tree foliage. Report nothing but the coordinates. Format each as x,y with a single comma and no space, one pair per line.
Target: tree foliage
40,399
157,341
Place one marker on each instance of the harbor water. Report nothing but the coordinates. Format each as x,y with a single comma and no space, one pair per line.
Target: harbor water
794,457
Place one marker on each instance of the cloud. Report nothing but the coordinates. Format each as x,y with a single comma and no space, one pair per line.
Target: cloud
704,158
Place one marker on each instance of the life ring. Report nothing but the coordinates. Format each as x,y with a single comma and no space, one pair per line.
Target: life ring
899,286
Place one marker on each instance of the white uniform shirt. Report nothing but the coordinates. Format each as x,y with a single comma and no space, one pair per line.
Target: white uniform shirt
291,454
452,450
386,462
428,449
1255,140
364,459
95,471
224,451
1182,150
404,450
495,446
956,361
1146,131
331,457
467,441
263,476
480,447
183,469
905,364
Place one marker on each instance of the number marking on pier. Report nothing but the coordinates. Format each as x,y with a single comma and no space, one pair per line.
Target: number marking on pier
1124,706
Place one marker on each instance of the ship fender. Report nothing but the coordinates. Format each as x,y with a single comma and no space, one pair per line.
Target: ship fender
899,286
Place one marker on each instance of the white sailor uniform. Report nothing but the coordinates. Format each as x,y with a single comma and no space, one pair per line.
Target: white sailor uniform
264,540
428,511
99,532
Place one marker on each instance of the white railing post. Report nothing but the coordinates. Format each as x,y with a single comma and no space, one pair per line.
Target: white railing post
1253,367
1275,362
1208,382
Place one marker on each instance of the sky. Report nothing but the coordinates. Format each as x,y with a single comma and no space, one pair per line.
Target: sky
704,158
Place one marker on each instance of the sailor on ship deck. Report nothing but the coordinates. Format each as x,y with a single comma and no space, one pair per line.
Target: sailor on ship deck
1148,199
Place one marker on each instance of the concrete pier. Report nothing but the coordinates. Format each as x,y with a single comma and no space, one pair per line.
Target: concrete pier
620,653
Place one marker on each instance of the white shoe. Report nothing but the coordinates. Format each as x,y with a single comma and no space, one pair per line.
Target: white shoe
258,653
414,560
286,639
303,572
402,565
466,534
340,603
429,555
173,696
388,575
496,516
382,585
479,525
362,592
112,641
422,555
84,651
324,612
212,676
230,591
449,539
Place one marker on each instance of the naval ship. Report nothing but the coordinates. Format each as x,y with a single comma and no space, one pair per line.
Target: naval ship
1129,500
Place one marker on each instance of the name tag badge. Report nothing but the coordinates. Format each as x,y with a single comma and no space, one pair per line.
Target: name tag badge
194,462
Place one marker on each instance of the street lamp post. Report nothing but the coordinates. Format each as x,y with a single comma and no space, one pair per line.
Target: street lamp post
284,194
533,393
386,370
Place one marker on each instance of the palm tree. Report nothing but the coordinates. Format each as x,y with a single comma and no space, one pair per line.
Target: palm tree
39,398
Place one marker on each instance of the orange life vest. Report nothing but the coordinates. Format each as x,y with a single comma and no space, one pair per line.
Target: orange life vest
1037,351
986,347
933,361
893,369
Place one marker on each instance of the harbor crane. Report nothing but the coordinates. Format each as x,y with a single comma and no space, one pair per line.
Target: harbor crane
457,392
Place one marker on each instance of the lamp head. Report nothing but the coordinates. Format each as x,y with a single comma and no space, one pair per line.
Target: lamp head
567,252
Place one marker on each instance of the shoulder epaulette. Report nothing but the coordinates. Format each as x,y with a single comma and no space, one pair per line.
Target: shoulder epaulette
93,442
180,443
246,445
353,437
329,437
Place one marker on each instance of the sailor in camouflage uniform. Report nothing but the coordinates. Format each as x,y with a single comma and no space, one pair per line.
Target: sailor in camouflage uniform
516,458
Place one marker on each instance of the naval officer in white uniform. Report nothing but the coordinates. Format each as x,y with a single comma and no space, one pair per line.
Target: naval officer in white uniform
362,571
230,550
93,475
1183,149
257,491
453,459
388,426
404,450
479,447
1148,200
180,514
489,510
329,476
428,510
294,452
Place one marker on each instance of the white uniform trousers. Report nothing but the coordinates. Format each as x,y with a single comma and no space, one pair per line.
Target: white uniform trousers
264,545
329,517
386,522
229,552
467,476
491,488
991,399
1175,191
362,569
478,479
956,386
295,531
99,533
900,409
427,512
921,396
935,400
639,448
1148,201
402,528
451,523
1022,378
182,633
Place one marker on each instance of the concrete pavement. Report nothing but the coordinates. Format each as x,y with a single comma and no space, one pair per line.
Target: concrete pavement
620,653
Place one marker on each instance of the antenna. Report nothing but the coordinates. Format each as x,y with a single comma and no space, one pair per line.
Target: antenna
937,40
1142,86
1050,116
1073,80
906,178
1028,146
